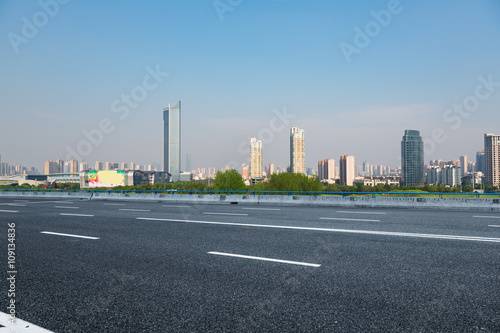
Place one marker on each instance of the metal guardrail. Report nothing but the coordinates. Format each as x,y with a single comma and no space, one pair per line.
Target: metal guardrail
317,193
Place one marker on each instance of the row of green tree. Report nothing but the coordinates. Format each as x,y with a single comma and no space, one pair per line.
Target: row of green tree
231,180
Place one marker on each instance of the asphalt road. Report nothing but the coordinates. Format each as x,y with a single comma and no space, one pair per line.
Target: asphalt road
157,267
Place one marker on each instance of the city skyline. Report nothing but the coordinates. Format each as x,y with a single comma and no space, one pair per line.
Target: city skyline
237,82
365,169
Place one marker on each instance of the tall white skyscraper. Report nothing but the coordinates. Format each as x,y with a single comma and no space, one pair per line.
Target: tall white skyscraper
347,170
492,157
255,158
297,151
172,140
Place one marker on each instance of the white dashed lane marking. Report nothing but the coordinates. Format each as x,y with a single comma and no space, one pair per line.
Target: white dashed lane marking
67,235
265,259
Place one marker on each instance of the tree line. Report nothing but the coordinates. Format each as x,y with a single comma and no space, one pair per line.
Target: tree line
231,180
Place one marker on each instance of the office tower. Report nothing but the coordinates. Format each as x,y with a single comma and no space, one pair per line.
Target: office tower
133,166
245,172
255,158
412,158
297,151
73,166
464,164
326,170
492,159
480,161
172,140
123,166
347,170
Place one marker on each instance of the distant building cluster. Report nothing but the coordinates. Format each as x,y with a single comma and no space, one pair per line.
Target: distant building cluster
344,171
7,169
73,166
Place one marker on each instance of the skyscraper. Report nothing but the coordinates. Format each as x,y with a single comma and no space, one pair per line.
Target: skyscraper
412,158
172,140
347,170
297,151
255,158
492,157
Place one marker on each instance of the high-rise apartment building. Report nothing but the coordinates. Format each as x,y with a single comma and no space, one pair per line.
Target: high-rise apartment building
492,159
172,140
52,167
412,158
270,169
326,170
83,166
464,164
347,170
451,176
73,166
255,158
99,166
245,172
297,151
434,175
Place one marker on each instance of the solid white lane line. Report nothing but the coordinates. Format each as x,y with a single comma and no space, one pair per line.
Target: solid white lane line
135,210
176,206
233,214
67,235
494,226
67,207
488,217
84,215
265,259
351,212
262,208
344,219
115,204
20,326
52,201
9,211
348,231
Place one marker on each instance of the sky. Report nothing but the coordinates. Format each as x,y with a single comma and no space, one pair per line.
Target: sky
89,79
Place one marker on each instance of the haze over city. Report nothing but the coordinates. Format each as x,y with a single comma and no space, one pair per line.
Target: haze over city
354,76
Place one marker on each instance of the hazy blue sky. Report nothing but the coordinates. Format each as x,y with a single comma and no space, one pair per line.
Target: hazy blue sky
234,64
